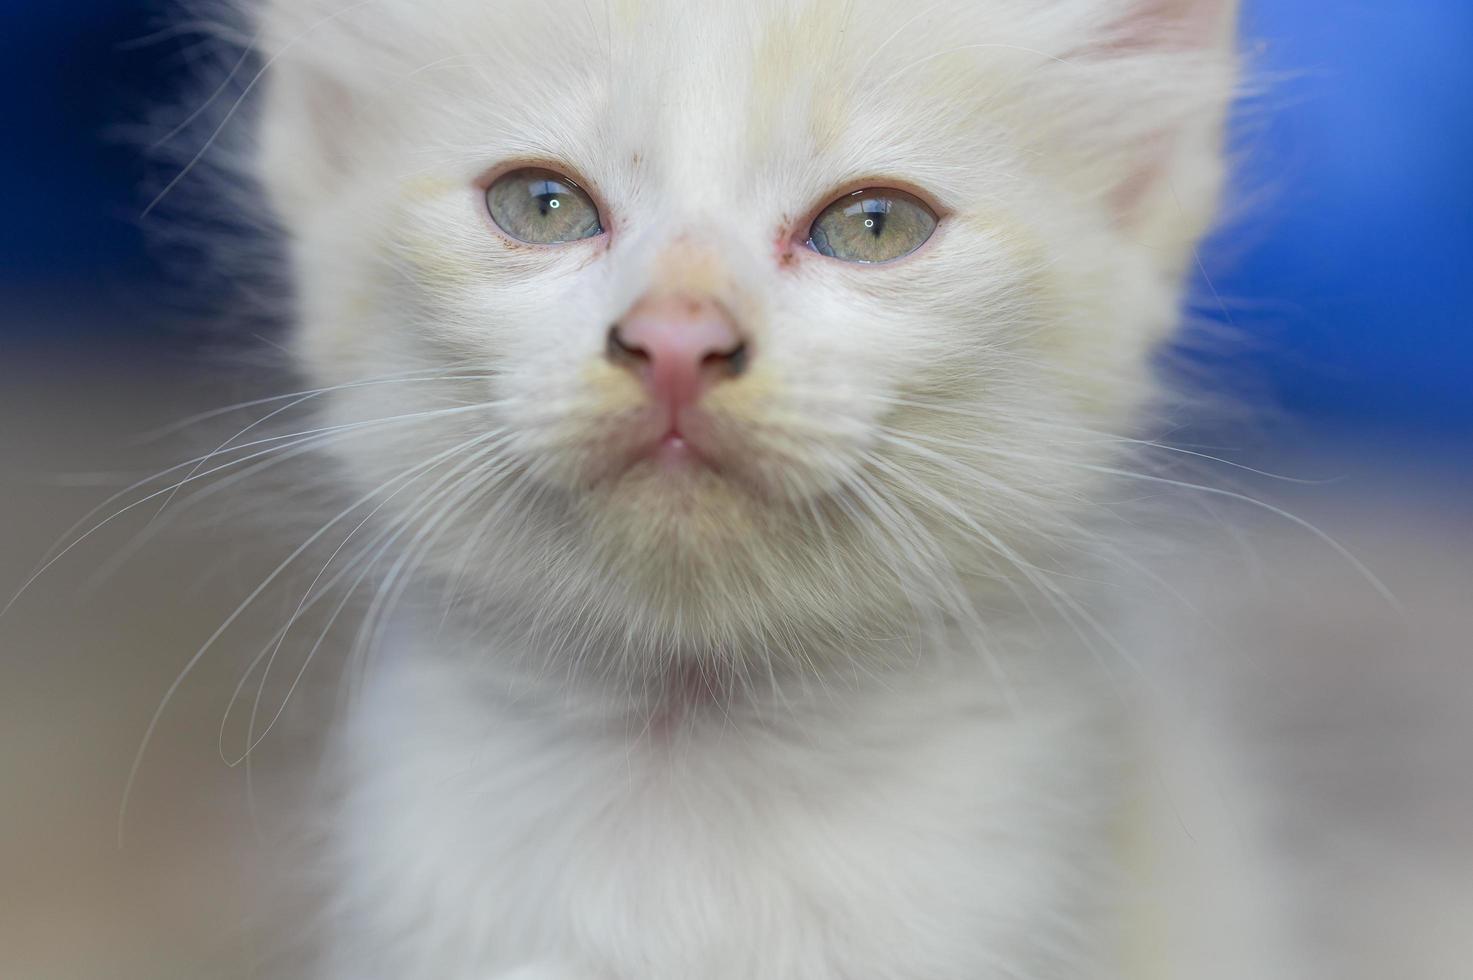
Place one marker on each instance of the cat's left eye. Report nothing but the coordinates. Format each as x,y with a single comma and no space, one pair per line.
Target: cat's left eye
872,226
542,208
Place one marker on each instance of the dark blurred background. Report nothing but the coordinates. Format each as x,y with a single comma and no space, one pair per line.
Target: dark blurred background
1349,265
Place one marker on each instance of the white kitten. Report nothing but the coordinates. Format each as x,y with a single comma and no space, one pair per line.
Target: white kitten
749,367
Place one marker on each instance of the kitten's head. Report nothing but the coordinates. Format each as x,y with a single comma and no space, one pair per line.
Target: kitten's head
727,325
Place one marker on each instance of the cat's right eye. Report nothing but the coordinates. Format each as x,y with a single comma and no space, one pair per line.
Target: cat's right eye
541,207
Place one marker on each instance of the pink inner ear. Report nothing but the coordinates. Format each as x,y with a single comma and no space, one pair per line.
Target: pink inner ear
1157,24
1128,195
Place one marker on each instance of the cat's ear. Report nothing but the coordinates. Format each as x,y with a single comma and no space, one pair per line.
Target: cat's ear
1179,56
314,109
1182,24
305,133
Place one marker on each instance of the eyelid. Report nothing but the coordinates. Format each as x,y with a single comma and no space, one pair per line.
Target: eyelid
851,188
558,168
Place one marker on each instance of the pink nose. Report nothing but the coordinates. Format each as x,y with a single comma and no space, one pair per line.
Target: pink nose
678,346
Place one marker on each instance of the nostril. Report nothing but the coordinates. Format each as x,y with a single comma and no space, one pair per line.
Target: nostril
733,361
619,349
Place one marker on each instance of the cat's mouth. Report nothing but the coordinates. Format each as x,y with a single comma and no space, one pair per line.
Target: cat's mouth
741,443
675,452
692,453
681,444
746,442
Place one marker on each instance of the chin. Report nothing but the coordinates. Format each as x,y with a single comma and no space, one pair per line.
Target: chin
696,558
684,515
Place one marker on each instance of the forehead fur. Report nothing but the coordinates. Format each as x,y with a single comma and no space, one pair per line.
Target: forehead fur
819,92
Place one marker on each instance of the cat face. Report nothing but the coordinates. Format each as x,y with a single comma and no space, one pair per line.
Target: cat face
735,325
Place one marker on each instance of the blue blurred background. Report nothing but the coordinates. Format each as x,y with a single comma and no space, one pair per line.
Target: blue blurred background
1350,268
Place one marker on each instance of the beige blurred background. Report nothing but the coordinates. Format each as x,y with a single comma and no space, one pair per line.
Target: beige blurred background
85,657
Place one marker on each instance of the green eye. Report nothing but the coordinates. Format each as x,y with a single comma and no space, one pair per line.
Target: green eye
541,207
876,225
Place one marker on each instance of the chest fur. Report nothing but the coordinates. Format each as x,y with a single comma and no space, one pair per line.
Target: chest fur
916,834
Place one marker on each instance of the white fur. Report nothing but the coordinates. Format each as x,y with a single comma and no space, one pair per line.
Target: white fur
882,829
820,716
